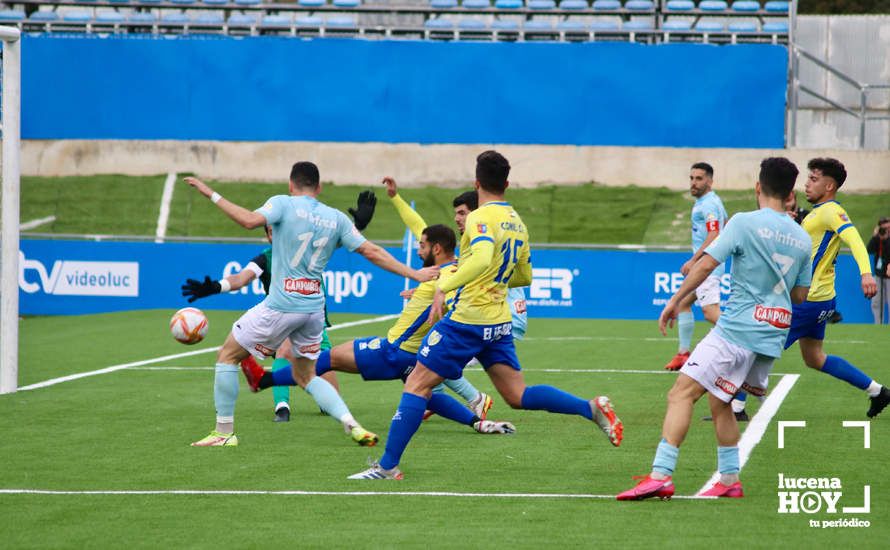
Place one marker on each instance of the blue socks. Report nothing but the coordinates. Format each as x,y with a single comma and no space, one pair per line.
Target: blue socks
448,407
665,458
323,364
225,392
327,398
283,376
727,460
548,398
685,327
280,394
405,422
463,388
841,369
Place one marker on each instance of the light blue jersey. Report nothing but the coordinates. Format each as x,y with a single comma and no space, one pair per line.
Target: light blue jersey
516,297
305,233
708,214
770,255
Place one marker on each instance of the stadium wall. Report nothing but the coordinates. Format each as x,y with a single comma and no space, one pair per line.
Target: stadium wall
401,91
74,277
417,165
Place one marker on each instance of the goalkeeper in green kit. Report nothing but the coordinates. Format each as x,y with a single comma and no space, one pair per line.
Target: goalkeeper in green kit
261,267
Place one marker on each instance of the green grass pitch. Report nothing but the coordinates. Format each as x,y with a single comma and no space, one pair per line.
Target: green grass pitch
122,205
130,430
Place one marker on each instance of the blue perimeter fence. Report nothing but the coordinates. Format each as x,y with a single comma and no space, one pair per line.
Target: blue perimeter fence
77,277
400,91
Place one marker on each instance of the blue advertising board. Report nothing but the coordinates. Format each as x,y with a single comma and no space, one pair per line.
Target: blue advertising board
76,277
403,91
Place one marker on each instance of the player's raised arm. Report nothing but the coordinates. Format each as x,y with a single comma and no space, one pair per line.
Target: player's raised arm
383,259
242,216
409,216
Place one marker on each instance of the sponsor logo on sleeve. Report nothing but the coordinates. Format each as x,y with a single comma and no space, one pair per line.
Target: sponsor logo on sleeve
844,217
481,228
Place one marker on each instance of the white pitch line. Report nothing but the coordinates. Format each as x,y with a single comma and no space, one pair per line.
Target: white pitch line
113,368
27,226
164,214
548,371
328,493
758,425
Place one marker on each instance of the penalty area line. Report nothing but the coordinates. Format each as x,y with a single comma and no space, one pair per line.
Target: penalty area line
114,368
758,425
188,492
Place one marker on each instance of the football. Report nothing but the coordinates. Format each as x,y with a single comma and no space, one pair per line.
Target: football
188,325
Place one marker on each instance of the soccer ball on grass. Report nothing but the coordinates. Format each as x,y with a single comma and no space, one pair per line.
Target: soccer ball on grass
188,325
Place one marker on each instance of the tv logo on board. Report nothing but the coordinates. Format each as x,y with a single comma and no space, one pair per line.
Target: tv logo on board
551,287
338,284
77,278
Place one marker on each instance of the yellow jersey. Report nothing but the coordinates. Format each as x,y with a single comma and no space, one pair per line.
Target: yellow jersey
411,327
493,246
828,225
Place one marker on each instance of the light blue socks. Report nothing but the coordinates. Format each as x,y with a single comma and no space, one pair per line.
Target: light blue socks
685,327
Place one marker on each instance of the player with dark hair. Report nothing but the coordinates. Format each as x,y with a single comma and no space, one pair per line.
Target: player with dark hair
708,218
261,267
828,225
770,270
494,255
305,233
394,356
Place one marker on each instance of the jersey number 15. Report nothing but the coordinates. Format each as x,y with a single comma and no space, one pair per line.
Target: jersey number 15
510,252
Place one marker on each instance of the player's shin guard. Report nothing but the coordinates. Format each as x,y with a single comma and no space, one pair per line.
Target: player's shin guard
280,394
463,388
446,406
548,398
685,328
225,392
665,458
843,370
404,424
327,398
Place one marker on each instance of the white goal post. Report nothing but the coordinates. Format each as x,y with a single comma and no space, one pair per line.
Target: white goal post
9,261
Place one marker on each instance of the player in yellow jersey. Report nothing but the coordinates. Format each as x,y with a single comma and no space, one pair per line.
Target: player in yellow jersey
394,357
828,225
494,255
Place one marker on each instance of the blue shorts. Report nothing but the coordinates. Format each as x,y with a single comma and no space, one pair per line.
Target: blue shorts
450,345
377,359
808,320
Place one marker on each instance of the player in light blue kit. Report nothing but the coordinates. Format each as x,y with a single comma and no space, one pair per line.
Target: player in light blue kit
708,218
305,233
770,270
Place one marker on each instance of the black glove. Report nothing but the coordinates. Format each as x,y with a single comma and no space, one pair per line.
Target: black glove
197,289
363,213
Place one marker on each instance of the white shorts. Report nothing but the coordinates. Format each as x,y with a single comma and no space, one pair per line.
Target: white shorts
724,368
709,291
261,331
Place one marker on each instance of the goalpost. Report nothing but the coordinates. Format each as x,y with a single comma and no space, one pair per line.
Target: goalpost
9,271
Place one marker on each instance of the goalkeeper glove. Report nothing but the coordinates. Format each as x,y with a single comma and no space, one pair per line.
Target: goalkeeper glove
197,289
364,211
